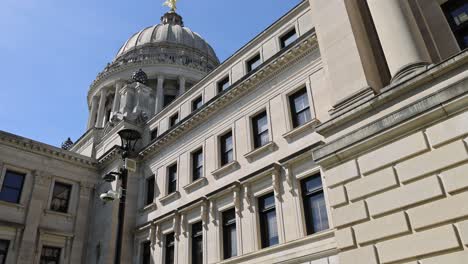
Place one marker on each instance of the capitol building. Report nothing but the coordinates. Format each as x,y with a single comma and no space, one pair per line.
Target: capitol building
338,135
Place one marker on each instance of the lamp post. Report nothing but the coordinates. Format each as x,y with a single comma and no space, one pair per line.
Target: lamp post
129,138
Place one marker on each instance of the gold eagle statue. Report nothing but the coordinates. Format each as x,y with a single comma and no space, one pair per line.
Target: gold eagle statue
172,4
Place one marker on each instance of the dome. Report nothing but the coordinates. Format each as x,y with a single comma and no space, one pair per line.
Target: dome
171,31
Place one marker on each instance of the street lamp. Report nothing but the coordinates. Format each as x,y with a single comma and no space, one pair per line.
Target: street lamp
129,138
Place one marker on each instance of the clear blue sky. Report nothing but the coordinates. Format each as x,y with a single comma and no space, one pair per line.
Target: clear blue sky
51,51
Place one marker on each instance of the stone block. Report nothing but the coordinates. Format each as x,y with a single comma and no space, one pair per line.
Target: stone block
419,244
337,196
455,179
463,229
393,152
440,211
450,258
341,173
359,256
373,183
345,238
404,196
436,160
447,130
350,214
388,226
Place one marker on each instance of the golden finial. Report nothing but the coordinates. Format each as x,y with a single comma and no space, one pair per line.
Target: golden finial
172,4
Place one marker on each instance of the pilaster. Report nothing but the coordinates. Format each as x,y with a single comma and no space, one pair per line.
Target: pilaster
159,94
101,109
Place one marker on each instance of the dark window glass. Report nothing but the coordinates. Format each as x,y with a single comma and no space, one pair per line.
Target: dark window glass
197,164
197,103
154,134
4,244
227,148
197,243
288,38
50,255
315,210
253,63
60,197
168,99
169,254
173,120
223,84
260,129
299,107
150,190
229,234
146,252
172,179
456,12
268,224
12,187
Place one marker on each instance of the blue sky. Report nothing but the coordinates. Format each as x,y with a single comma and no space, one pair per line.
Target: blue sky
51,51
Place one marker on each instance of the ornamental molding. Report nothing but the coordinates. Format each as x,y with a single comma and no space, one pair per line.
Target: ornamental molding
46,150
272,68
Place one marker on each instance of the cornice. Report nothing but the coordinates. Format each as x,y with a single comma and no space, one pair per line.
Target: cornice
303,46
46,150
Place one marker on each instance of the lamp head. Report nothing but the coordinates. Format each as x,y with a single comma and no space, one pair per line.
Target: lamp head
110,177
129,138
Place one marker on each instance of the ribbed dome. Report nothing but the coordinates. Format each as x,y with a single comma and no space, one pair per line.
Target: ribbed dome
171,31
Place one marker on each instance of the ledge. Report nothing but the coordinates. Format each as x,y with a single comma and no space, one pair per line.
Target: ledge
267,148
289,136
12,205
51,212
230,167
170,197
195,184
149,207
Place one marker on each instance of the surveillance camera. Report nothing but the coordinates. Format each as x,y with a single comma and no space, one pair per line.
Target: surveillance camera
109,196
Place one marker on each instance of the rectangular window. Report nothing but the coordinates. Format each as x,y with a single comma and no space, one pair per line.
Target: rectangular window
173,120
288,38
60,197
456,12
172,179
4,244
50,255
300,110
268,224
170,245
146,252
253,63
150,182
223,84
229,234
226,148
315,210
168,99
197,103
197,243
260,129
197,164
154,134
12,187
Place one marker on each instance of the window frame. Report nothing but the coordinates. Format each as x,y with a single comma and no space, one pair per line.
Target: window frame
5,252
169,189
145,245
196,101
226,80
174,120
227,226
252,61
293,113
154,133
150,199
194,166
285,37
263,220
223,156
308,221
169,246
256,134
24,174
196,237
447,8
58,259
69,198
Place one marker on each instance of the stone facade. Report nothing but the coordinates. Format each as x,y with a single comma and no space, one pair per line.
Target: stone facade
363,105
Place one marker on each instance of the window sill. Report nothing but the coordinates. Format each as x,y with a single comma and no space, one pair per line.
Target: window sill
149,207
19,207
195,184
301,129
170,197
51,212
267,148
231,166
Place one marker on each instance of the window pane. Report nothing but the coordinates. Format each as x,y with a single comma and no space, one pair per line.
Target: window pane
169,254
460,15
268,224
301,102
172,179
253,63
303,117
197,103
288,38
10,195
272,228
50,255
60,197
319,212
13,180
267,202
223,84
315,210
300,111
150,190
229,234
227,153
197,243
146,252
312,183
3,250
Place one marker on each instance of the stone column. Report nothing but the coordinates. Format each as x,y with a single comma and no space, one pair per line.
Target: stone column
159,94
101,109
116,103
81,223
181,85
92,113
401,40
